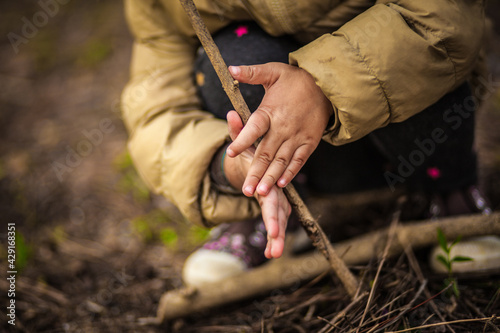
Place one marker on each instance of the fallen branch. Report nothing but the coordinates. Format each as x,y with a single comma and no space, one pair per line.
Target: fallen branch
230,86
288,271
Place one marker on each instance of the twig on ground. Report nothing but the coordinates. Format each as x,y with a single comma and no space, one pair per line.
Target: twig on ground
392,230
313,229
416,268
331,323
224,329
490,319
310,312
480,313
493,300
389,304
309,284
408,307
310,301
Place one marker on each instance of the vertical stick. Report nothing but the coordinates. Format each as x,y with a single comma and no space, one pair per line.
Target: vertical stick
230,86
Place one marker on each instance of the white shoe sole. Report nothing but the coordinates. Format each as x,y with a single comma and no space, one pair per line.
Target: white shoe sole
485,252
206,266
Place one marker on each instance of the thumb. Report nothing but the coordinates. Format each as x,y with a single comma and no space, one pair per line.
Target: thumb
265,74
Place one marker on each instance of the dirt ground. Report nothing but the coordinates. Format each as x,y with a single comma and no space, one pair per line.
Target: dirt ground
95,250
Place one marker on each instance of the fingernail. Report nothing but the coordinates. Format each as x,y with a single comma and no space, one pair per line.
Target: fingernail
263,189
267,251
282,182
229,152
249,190
234,70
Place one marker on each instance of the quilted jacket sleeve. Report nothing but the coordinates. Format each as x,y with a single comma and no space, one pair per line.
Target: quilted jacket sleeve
171,140
393,61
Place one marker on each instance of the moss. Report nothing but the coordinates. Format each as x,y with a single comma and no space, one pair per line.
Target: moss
94,52
198,235
129,181
23,254
169,237
142,227
158,226
59,235
23,251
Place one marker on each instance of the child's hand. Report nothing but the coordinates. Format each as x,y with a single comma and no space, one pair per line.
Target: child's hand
274,205
275,212
291,118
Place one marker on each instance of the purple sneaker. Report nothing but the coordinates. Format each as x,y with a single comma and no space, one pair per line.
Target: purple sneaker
232,249
461,202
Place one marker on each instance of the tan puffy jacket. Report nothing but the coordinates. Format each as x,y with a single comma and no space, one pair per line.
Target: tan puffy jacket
377,61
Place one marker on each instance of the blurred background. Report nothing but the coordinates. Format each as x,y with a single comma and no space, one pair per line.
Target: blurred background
95,250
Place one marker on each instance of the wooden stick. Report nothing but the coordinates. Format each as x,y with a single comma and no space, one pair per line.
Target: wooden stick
230,86
288,271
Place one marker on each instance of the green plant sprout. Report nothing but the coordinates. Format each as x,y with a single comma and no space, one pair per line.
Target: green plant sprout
447,261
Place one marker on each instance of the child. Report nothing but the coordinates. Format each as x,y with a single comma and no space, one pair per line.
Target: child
374,95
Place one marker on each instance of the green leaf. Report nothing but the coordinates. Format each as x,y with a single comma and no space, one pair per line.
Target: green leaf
459,238
442,259
461,259
455,290
443,243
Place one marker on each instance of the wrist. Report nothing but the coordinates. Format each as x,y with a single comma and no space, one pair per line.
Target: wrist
232,172
236,168
217,172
